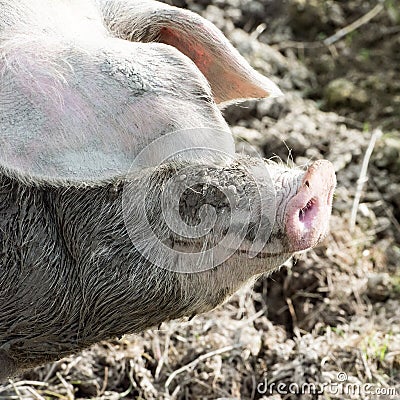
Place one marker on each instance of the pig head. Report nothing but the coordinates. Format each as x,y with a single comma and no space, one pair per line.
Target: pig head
104,104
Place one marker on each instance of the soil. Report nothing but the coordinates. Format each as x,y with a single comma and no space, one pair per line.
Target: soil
331,315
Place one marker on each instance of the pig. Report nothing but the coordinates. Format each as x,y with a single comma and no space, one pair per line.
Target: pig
103,104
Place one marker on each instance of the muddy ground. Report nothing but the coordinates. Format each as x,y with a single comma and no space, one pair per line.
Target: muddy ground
331,317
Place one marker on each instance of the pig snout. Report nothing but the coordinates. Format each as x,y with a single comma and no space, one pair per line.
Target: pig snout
308,212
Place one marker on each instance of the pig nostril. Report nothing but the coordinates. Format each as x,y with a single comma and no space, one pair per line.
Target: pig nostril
303,211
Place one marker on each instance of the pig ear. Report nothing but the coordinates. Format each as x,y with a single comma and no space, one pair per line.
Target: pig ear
228,73
86,121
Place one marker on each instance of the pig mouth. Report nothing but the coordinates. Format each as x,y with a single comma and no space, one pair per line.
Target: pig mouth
308,212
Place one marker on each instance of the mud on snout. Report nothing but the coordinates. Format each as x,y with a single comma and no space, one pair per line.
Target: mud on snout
196,216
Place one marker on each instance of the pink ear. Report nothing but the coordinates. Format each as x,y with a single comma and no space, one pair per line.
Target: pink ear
228,73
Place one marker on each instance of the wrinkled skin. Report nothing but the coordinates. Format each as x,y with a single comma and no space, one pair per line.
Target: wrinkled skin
75,113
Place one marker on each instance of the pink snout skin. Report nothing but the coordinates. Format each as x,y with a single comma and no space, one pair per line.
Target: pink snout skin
309,211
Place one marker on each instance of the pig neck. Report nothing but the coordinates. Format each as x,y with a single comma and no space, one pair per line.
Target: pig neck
70,277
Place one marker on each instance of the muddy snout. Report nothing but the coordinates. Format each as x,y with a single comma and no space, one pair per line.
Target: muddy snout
309,211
